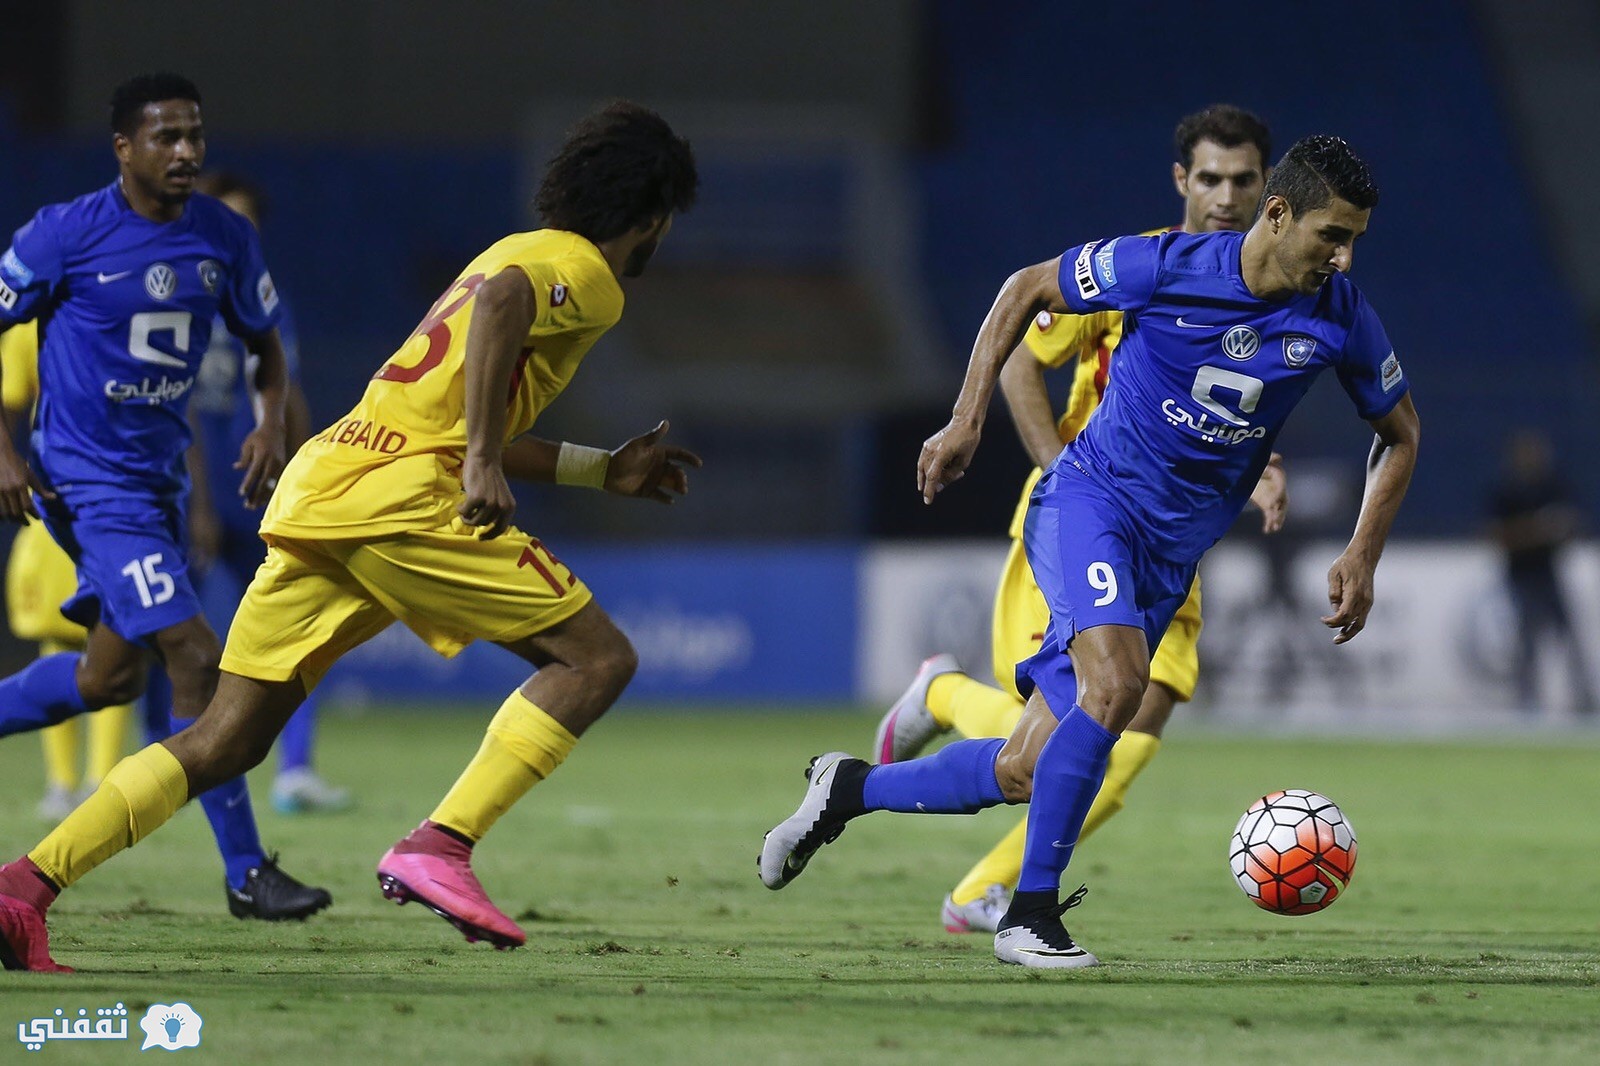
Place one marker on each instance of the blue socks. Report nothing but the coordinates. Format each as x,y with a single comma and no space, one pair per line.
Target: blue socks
294,743
41,694
1065,781
957,779
227,807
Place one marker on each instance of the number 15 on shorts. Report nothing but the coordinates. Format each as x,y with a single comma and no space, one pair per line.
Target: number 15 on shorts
155,588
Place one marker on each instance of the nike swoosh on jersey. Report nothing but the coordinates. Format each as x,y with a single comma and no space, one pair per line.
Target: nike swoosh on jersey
1194,325
104,278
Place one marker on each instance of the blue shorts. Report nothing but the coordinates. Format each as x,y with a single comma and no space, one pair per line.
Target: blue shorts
1092,564
133,562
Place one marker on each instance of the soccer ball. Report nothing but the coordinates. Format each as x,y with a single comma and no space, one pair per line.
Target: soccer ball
1293,852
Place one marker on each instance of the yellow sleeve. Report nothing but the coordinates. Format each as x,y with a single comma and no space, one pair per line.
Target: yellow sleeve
572,296
1056,340
19,366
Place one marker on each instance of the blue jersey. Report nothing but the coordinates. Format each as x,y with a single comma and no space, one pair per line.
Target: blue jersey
226,412
125,308
1206,376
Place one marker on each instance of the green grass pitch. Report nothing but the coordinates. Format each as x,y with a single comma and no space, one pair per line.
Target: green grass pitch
1471,932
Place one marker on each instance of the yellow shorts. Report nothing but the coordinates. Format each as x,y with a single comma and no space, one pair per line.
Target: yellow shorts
39,577
1020,618
314,600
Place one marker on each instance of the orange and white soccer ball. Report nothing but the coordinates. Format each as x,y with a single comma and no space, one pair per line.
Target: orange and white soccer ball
1293,852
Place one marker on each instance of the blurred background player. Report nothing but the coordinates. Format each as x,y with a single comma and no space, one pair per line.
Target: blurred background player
402,509
1219,170
1535,517
126,282
40,577
225,539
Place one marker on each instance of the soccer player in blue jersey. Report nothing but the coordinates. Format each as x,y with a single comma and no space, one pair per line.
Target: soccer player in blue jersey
1225,332
125,284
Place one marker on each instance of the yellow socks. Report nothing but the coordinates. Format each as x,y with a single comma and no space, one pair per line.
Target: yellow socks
139,794
60,743
1003,864
1131,755
524,745
971,707
108,735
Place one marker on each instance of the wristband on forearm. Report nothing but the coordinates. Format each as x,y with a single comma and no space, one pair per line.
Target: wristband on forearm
577,464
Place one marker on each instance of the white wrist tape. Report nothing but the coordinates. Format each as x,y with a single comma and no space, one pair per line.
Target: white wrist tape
577,464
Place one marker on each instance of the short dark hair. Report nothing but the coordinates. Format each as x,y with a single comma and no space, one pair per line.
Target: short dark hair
129,98
1224,124
618,169
220,183
1316,169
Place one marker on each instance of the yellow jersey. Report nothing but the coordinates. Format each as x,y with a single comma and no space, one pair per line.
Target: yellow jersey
1055,340
394,462
19,367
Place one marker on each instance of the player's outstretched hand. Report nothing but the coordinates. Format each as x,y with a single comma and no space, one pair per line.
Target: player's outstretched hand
945,456
262,459
1271,495
650,470
1350,595
487,501
17,486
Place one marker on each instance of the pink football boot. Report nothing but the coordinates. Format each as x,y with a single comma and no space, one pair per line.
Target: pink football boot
434,868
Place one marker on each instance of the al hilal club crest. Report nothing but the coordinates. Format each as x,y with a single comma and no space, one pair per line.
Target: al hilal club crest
1297,349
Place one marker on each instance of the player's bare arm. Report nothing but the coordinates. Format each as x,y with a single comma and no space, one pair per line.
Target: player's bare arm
945,455
264,452
502,314
1271,495
1022,383
644,467
1389,467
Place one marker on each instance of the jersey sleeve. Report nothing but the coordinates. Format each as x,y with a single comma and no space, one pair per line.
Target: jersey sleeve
1368,368
571,296
250,304
1054,340
1114,275
31,268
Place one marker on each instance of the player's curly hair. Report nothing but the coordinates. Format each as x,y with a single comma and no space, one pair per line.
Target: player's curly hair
619,169
1316,169
129,98
1222,124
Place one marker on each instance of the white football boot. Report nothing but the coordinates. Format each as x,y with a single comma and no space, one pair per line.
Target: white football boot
1041,942
789,845
908,726
981,915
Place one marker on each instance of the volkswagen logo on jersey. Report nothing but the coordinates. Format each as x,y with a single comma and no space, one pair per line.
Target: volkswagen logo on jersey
160,281
1241,343
1297,349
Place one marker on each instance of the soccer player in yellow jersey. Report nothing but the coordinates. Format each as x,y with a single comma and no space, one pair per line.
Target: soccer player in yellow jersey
39,577
1219,172
402,510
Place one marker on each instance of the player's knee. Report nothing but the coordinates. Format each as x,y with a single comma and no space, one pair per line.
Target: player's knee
617,661
1013,772
191,661
1113,697
109,686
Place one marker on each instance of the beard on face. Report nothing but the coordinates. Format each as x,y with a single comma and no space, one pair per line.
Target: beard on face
635,264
